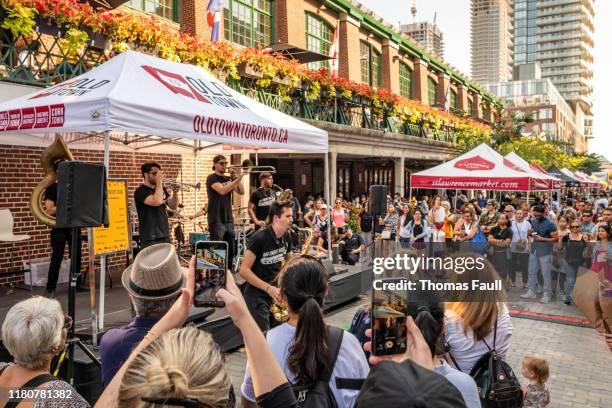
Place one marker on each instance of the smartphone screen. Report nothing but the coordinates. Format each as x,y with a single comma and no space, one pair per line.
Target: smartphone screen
389,307
211,267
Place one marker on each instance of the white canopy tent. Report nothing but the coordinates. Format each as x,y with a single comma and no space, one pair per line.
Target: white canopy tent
553,182
142,103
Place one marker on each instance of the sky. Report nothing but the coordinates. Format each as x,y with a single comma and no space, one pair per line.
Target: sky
453,18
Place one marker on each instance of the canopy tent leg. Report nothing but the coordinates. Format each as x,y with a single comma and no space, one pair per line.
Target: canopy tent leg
100,324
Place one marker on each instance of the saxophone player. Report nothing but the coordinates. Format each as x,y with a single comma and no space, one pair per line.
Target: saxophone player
268,248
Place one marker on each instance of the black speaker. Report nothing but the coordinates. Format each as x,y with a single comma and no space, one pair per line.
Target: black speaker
378,200
81,195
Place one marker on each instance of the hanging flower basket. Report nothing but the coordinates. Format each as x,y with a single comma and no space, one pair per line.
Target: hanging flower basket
249,71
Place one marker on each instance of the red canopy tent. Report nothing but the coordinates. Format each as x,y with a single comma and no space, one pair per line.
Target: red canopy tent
479,169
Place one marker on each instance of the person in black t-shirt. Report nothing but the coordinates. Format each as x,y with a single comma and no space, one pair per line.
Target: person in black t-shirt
267,250
350,247
219,189
261,199
151,199
59,238
500,238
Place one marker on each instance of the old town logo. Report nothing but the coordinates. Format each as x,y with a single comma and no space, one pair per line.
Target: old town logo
475,163
198,89
77,87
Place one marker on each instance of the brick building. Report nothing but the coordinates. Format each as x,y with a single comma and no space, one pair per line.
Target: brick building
370,51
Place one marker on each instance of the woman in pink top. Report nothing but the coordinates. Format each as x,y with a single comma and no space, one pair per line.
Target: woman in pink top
339,216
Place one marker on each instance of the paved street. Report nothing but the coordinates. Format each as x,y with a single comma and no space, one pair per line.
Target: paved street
580,364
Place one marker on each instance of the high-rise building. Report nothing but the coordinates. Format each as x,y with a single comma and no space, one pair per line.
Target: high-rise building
491,40
427,34
558,34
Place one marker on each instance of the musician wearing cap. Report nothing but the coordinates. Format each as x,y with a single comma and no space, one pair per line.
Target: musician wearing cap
153,282
151,199
268,248
261,199
219,188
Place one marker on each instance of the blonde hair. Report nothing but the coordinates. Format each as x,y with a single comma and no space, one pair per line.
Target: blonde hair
182,363
477,310
539,366
31,329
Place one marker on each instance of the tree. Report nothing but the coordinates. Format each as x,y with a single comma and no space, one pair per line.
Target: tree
588,163
509,126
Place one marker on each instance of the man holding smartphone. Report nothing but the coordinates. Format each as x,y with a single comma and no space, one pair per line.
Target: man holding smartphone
268,248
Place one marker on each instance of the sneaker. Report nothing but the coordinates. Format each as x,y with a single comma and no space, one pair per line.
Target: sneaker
545,299
51,294
568,303
529,295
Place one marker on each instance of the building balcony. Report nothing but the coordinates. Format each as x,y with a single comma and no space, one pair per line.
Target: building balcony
42,60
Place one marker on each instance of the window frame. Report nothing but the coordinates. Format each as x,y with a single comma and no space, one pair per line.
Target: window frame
252,6
175,9
406,81
373,64
320,38
430,82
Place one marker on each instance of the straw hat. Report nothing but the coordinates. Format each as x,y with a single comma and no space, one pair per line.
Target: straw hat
156,273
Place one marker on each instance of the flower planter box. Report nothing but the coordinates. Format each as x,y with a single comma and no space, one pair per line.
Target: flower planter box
220,74
249,71
97,40
281,81
49,27
143,48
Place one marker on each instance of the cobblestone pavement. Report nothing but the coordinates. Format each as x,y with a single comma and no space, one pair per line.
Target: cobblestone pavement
580,364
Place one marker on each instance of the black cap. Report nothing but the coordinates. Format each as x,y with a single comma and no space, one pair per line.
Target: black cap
407,385
539,208
569,202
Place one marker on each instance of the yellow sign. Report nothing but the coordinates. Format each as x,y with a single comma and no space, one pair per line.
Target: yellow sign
116,237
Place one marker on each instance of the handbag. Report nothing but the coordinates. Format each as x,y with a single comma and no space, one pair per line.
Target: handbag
386,234
479,243
497,384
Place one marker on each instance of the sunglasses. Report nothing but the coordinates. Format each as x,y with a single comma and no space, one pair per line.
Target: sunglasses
67,322
575,226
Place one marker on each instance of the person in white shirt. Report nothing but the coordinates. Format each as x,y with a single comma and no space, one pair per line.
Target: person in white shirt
469,323
519,247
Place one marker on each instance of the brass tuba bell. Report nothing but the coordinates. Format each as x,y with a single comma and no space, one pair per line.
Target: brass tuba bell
55,152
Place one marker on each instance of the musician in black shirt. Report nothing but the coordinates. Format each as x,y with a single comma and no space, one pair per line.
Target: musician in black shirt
219,188
261,199
266,251
151,199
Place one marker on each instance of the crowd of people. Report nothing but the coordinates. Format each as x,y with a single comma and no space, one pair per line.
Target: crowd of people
155,361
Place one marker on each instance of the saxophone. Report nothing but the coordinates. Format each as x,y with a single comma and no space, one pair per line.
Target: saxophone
279,311
55,152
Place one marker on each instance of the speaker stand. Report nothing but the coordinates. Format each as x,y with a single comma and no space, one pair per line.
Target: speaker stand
72,339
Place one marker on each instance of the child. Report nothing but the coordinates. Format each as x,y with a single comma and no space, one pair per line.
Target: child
535,369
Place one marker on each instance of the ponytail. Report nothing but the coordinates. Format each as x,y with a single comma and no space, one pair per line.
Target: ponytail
303,283
429,318
309,355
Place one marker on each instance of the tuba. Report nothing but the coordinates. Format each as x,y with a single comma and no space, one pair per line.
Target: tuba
54,153
280,312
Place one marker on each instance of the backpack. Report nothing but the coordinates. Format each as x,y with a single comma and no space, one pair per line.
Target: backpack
31,384
497,385
319,394
479,243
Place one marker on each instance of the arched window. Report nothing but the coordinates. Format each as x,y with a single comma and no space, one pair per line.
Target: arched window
319,37
405,76
248,22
